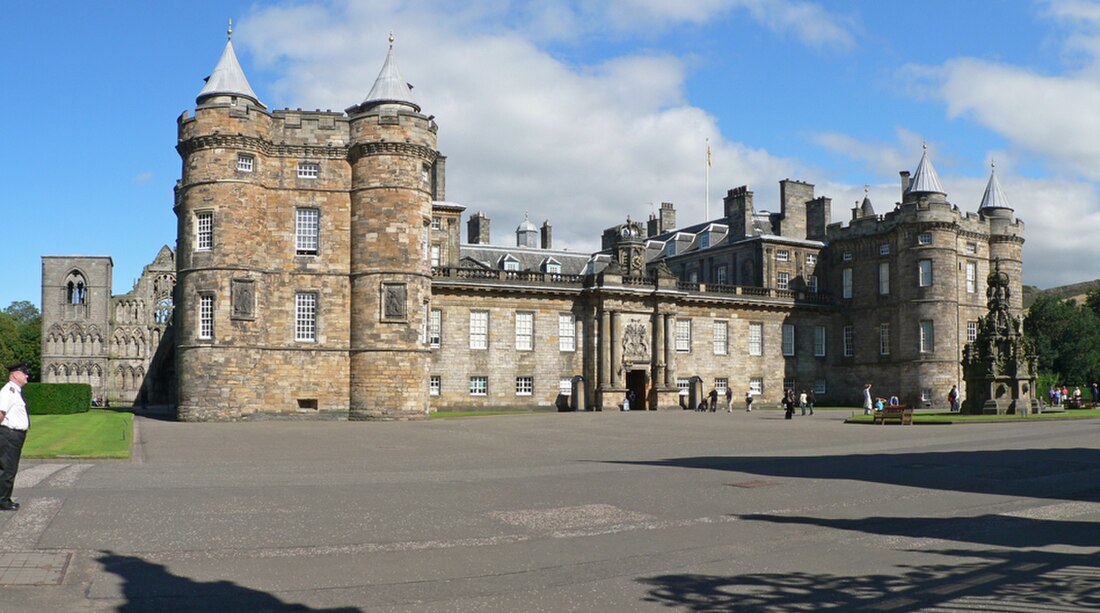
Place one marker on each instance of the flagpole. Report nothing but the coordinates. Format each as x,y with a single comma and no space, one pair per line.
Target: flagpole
706,185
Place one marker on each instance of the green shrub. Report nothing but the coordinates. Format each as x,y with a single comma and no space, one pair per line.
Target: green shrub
57,398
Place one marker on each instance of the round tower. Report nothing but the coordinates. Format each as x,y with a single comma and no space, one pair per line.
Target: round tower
219,204
391,152
1006,239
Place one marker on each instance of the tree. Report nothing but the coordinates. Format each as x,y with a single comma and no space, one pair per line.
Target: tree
21,335
1067,339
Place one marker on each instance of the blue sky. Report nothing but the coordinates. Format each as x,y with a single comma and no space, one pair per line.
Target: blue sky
579,113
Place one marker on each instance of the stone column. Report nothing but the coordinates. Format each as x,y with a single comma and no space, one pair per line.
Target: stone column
605,349
669,349
616,349
659,351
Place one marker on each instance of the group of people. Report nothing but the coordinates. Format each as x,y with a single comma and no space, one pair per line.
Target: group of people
806,400
1059,396
878,403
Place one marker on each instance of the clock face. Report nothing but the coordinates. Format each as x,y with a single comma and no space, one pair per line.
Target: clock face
637,260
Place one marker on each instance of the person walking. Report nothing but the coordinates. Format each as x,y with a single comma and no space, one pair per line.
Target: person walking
867,406
788,404
713,399
953,398
811,399
729,399
748,401
802,402
14,423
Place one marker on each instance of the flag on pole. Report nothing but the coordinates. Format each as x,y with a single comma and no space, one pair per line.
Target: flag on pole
708,153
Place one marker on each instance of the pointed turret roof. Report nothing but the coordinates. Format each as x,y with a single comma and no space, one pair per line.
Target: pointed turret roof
994,197
228,78
390,87
865,209
925,180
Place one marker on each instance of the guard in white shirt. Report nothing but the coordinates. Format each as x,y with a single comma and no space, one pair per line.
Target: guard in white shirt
14,423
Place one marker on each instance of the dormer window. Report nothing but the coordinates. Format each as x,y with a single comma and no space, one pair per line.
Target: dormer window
670,248
704,240
509,262
552,266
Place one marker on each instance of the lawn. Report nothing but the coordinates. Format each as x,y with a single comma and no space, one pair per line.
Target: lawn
99,433
958,418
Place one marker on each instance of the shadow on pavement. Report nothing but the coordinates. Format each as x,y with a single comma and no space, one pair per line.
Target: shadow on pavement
993,581
149,588
1068,474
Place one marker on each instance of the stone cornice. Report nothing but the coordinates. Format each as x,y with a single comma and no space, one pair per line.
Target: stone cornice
259,145
359,150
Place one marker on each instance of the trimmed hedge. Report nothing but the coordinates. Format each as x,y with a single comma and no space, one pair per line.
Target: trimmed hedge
57,398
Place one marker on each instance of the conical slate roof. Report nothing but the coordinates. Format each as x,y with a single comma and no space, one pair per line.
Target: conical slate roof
865,209
925,179
228,78
390,87
994,197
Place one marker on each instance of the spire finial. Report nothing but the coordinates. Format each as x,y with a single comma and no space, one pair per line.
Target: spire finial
924,145
992,165
866,188
229,30
391,39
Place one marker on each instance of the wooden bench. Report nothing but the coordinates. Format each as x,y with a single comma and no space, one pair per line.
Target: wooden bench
902,413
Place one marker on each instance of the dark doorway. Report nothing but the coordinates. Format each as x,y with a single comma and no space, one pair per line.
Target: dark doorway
636,383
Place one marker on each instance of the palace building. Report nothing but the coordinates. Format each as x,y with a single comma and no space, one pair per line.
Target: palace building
320,272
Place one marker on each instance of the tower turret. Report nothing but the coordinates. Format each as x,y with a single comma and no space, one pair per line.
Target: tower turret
227,83
925,183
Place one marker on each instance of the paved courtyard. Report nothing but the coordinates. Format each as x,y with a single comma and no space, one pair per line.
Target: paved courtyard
565,512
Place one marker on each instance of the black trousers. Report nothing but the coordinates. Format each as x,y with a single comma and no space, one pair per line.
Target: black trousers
11,447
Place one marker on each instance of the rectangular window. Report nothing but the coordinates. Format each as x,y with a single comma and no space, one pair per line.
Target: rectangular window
553,268
435,383
306,230
511,264
525,331
811,260
756,339
683,383
924,273
847,256
244,162
567,332
704,240
924,238
204,231
783,280
721,384
479,329
720,275
884,249
788,383
525,386
849,341
971,331
437,223
926,394
788,339
435,256
479,386
782,255
884,278
670,248
819,341
756,385
811,284
927,336
206,316
971,277
846,283
721,337
435,327
971,248
565,387
305,316
683,335
309,170
819,387
884,339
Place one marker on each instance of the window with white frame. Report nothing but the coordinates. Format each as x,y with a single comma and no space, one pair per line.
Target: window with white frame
245,162
846,283
927,336
511,265
567,332
721,384
783,280
924,238
553,268
309,170
479,329
811,284
884,338
683,383
683,335
435,256
306,230
924,273
305,316
971,248
525,331
971,277
206,316
819,341
565,387
435,384
819,387
971,331
721,337
811,260
437,223
479,386
720,275
788,339
435,327
849,341
204,230
782,255
756,338
884,278
756,385
525,386
884,249
926,394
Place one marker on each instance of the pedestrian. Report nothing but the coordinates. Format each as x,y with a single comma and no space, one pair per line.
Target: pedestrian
788,404
1065,394
748,401
729,399
713,399
867,399
626,400
14,423
1095,394
802,402
953,399
811,399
